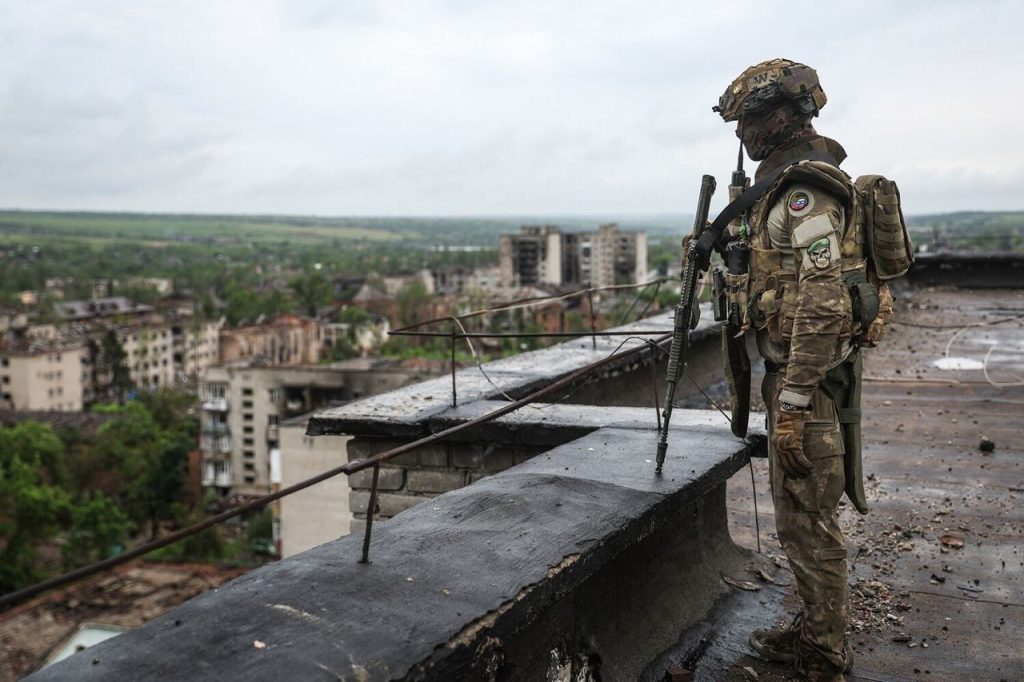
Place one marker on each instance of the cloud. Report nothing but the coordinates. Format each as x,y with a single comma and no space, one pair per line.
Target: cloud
456,107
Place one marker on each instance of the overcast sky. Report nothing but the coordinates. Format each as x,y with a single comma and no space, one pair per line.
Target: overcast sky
463,107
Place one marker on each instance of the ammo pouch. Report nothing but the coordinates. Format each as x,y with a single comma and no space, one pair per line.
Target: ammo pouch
864,298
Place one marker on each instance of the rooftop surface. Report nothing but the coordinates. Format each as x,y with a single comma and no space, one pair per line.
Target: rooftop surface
937,579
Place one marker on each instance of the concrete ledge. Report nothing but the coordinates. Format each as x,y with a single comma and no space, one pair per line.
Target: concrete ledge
581,554
405,413
968,270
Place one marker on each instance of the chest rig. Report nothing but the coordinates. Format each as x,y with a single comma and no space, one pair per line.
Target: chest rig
772,287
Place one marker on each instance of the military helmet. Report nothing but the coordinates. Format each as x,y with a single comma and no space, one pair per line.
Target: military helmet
764,83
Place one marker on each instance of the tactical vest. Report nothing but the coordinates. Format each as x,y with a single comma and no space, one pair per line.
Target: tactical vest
875,248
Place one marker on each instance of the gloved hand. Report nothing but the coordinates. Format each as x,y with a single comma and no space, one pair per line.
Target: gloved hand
788,442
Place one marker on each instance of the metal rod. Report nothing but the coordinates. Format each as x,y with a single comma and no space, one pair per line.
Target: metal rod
455,401
526,302
757,522
654,389
516,335
370,509
593,323
349,468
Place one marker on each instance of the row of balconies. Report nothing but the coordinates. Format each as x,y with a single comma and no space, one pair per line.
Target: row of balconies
215,428
212,429
210,443
215,404
217,473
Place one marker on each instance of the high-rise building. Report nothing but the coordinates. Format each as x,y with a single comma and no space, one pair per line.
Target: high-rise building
543,254
244,404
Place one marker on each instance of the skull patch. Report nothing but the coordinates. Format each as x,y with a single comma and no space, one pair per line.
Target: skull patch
820,253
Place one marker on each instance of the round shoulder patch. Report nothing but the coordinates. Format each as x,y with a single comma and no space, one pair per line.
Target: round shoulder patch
799,201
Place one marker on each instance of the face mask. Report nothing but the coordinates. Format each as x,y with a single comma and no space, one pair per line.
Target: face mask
762,132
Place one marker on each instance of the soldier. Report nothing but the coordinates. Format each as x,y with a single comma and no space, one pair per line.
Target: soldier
801,309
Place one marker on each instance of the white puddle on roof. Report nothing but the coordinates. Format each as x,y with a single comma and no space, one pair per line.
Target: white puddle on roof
958,363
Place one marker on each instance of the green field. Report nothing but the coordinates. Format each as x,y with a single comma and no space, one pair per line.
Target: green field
149,227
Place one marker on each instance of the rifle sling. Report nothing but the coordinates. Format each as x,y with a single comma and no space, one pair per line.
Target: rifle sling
758,189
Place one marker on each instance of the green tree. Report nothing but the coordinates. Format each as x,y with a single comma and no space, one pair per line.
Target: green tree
411,299
97,527
29,511
312,290
151,459
32,441
261,526
112,362
172,409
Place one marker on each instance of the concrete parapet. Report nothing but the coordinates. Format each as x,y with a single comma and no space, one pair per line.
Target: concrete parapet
549,549
577,562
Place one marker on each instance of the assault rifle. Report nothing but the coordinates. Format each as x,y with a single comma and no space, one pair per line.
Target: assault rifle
687,312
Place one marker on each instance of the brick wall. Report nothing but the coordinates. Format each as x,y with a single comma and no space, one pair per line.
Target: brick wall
425,473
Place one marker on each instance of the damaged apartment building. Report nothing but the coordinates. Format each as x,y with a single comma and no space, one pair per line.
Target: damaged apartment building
61,364
544,254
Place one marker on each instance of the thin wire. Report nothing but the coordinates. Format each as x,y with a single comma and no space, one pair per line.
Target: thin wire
650,342
922,325
984,364
999,384
349,468
479,365
636,299
526,303
750,462
706,396
753,490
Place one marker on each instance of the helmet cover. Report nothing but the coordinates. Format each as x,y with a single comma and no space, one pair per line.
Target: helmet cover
763,84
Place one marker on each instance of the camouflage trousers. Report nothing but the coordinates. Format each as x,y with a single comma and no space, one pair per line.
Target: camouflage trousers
808,526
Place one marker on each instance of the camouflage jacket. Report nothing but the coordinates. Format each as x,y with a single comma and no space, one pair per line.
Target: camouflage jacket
801,307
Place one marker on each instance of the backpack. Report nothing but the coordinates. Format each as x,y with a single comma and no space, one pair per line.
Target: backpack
878,232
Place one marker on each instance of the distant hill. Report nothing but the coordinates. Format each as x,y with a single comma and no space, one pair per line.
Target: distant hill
482,230
970,226
976,230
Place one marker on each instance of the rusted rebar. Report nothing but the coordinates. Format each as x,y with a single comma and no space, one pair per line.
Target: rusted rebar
370,509
348,469
516,335
455,398
528,302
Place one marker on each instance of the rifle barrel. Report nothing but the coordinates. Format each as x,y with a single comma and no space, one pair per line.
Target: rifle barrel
684,314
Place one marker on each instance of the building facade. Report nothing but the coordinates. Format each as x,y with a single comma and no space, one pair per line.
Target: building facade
244,404
286,340
543,254
43,377
321,512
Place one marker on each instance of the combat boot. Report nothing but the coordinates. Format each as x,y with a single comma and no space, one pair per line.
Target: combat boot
814,667
778,645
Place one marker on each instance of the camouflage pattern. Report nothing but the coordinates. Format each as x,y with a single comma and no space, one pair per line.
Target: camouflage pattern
764,83
808,526
802,313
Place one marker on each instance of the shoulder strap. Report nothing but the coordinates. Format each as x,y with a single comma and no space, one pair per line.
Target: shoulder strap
757,190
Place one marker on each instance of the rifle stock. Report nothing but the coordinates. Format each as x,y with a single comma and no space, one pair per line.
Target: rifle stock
687,313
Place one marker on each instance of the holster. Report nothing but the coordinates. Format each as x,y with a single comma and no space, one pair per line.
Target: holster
737,376
842,384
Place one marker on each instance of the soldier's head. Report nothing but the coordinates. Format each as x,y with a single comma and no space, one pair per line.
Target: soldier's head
773,103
